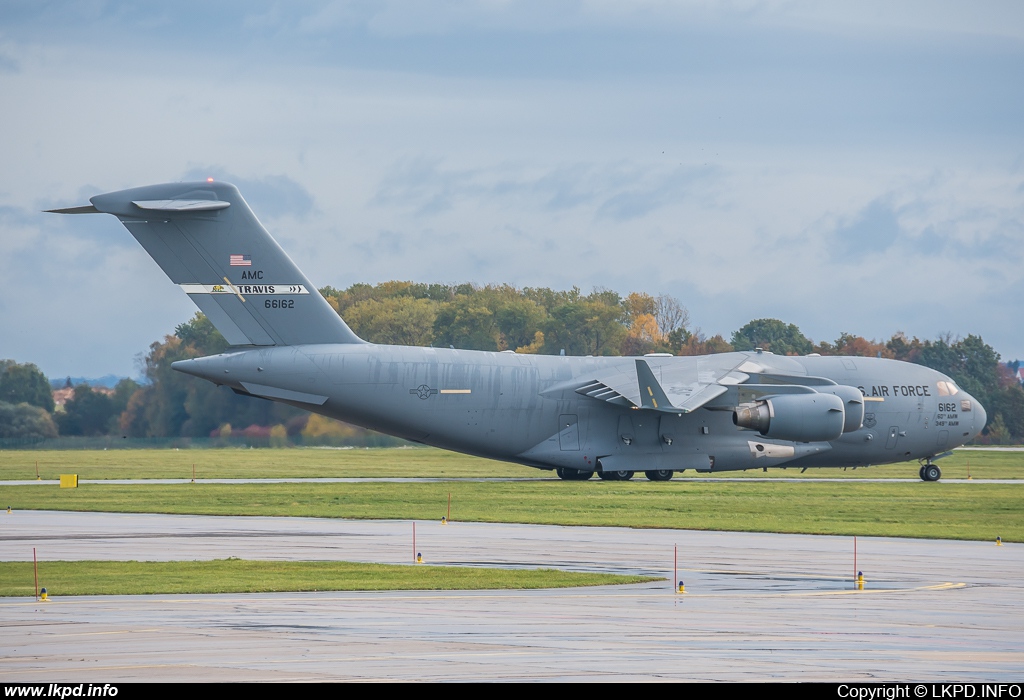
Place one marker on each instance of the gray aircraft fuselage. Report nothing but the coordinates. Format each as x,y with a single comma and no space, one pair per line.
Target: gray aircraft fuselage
612,415
499,405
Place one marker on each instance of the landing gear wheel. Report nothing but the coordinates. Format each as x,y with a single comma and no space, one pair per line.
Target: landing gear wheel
622,475
920,473
573,474
930,472
659,474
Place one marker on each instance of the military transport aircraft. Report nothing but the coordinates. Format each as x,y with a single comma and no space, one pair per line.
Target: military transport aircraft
612,416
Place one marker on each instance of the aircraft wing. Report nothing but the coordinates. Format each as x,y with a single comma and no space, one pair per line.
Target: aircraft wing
673,387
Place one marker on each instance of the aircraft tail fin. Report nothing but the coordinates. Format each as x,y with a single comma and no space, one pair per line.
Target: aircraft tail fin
205,237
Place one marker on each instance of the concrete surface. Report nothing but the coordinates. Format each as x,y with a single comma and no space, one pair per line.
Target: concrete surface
758,606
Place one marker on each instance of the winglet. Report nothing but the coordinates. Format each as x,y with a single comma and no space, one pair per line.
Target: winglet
651,394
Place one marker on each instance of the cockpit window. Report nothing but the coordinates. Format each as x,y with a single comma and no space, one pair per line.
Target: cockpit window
947,389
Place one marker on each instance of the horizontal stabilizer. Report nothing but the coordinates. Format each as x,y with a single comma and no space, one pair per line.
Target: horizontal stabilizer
86,209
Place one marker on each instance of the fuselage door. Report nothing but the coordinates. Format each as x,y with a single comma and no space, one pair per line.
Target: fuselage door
894,435
569,432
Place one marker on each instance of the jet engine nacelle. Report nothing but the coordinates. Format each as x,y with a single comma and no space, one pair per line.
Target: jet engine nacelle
853,403
796,417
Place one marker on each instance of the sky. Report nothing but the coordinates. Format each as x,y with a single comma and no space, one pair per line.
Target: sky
846,167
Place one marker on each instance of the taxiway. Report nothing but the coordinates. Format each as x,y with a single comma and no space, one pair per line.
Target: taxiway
758,606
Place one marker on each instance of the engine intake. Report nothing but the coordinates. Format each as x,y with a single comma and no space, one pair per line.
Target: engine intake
796,417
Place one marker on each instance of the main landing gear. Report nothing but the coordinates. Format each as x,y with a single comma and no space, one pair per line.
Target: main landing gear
573,474
930,472
653,475
569,474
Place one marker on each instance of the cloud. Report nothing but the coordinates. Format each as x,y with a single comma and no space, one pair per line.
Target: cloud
77,294
404,18
271,197
754,158
872,230
420,183
8,64
619,191
658,190
386,244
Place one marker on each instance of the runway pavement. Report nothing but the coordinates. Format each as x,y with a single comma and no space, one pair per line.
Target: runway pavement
758,606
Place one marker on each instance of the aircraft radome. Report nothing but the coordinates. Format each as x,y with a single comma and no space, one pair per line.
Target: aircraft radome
578,415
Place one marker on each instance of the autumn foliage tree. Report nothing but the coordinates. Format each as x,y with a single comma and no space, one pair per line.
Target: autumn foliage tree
772,335
176,405
26,402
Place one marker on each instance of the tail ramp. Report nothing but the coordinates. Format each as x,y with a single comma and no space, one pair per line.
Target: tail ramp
205,237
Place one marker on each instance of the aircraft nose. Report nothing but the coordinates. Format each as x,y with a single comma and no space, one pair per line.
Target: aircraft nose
980,416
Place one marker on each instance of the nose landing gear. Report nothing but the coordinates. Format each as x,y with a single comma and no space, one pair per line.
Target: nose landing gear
930,472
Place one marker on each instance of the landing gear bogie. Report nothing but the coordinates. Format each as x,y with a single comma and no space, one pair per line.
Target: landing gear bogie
573,474
659,474
622,475
930,472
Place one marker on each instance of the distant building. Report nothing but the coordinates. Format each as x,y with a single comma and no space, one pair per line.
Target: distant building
66,393
61,397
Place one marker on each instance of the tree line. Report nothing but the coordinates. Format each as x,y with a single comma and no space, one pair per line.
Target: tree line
529,320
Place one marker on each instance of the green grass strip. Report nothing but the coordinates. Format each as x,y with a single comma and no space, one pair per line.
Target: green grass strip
969,511
404,462
237,463
64,578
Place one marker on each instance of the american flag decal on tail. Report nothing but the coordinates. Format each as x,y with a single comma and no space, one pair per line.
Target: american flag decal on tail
240,260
